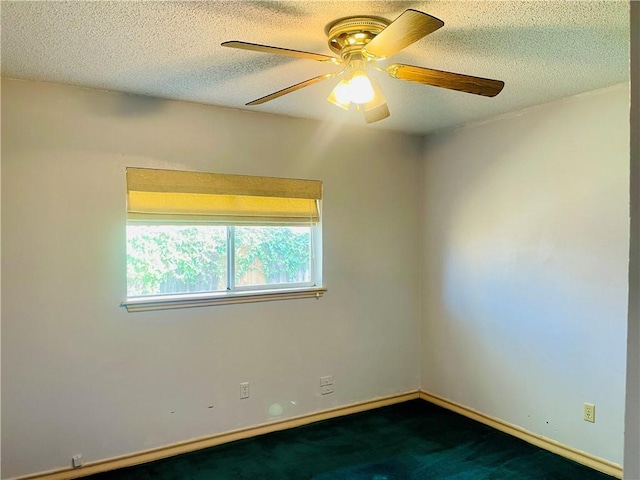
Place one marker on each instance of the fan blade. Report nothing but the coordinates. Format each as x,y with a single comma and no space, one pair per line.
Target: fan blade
292,88
452,81
281,51
409,27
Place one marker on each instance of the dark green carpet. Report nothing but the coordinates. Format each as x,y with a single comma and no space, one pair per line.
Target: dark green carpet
412,440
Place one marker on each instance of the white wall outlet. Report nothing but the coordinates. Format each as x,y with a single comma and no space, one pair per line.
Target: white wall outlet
326,389
328,380
589,412
244,390
76,461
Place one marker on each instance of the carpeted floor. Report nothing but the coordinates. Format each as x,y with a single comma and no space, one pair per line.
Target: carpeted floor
409,441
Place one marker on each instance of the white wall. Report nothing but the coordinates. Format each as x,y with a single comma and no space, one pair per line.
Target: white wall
81,375
524,241
525,260
632,411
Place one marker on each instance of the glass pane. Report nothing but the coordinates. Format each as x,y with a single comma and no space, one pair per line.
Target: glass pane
270,255
169,259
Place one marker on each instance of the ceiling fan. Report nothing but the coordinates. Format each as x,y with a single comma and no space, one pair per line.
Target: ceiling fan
361,42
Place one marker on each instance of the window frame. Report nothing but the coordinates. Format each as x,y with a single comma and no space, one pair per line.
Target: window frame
243,294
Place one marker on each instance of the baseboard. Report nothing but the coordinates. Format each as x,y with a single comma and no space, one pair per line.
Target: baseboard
578,456
114,463
137,458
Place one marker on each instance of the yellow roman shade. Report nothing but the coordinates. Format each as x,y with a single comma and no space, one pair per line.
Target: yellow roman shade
180,196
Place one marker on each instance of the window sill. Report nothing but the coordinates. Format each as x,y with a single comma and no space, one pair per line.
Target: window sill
168,302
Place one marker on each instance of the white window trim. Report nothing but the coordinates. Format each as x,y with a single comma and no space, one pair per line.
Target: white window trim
245,294
168,302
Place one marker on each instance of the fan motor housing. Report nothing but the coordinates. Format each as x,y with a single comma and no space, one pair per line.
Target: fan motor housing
351,34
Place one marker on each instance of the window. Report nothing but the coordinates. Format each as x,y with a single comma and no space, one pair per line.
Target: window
196,239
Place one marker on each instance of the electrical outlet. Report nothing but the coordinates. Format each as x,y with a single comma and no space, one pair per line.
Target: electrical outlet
76,461
326,389
328,380
244,390
589,412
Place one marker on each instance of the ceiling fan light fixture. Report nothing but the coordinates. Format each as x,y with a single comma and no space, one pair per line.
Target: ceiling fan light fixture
356,88
375,114
360,88
340,96
378,97
376,109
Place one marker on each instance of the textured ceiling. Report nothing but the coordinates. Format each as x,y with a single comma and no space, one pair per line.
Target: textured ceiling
541,50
